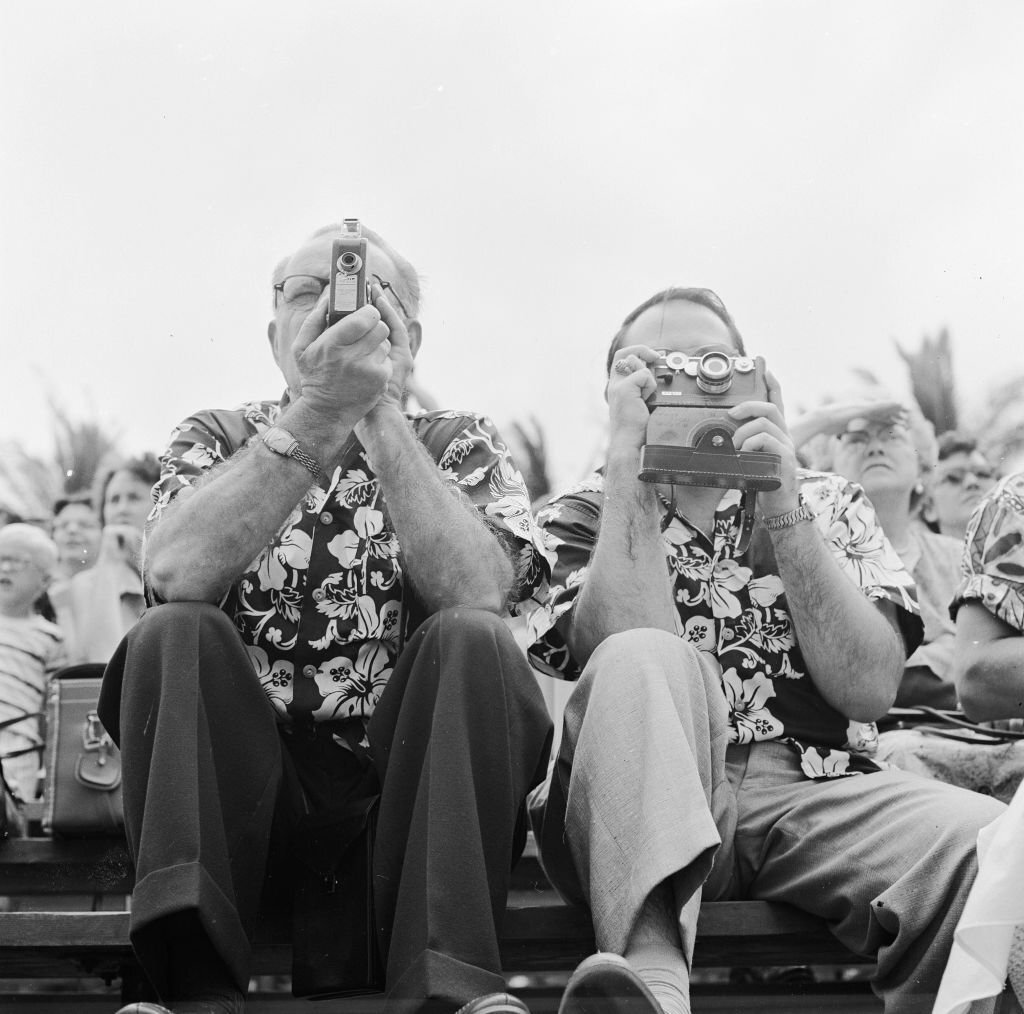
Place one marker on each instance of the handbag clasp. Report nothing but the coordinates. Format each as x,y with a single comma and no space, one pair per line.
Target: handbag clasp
95,737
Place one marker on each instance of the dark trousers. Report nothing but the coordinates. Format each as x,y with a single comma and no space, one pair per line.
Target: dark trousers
460,735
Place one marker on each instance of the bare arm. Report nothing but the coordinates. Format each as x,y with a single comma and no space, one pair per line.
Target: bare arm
853,651
988,665
627,585
212,532
451,557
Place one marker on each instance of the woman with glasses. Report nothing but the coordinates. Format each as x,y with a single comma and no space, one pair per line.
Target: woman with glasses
961,478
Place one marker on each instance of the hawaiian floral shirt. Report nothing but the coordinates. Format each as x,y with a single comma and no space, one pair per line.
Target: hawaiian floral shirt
993,562
325,609
735,609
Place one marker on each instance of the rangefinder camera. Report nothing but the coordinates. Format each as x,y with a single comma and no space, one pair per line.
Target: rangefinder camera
689,434
349,288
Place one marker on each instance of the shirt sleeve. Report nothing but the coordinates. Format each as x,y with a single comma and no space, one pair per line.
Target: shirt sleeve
992,567
570,526
476,461
855,538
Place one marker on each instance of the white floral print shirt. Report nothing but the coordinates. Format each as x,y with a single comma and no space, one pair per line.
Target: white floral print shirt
735,609
993,562
325,609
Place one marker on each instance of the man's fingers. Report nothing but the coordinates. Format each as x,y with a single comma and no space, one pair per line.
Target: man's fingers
391,317
774,391
313,326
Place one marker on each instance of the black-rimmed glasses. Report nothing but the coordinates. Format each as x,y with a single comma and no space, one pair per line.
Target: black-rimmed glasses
301,292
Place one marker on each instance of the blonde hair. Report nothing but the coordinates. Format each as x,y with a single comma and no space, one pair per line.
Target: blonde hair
35,541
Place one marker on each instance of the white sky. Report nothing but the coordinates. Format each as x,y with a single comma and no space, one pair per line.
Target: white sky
842,174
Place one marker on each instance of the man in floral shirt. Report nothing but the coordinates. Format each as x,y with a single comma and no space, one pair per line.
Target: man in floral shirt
332,573
705,749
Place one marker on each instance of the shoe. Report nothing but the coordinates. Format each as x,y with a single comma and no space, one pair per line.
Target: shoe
495,1003
144,1008
605,984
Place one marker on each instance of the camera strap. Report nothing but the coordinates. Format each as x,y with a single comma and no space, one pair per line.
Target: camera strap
746,517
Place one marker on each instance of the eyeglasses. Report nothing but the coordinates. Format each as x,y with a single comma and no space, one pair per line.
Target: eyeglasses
300,292
958,476
15,564
891,434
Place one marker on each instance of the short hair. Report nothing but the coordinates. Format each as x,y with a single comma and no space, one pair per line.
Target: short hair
407,284
85,499
36,541
954,442
699,296
144,467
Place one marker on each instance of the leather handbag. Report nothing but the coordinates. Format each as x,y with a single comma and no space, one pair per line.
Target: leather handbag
82,795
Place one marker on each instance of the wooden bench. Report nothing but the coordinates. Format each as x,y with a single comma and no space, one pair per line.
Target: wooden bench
542,939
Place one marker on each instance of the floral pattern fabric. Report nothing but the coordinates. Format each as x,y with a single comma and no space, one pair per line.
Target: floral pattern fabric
993,559
325,609
734,608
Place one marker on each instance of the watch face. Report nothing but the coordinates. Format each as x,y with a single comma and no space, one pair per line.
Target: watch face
279,440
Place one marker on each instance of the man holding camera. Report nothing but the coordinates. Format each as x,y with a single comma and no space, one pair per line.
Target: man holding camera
720,662
330,653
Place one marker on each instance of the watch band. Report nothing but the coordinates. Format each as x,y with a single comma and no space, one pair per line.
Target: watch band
280,441
790,518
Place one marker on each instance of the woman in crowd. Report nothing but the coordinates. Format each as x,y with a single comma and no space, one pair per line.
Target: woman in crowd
96,608
961,478
76,531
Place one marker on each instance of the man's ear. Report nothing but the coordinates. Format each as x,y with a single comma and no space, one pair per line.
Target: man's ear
271,335
415,336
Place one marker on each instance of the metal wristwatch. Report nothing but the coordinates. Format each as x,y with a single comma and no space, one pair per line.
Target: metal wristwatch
790,518
280,441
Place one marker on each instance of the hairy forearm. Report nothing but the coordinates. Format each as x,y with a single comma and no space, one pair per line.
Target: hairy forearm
852,653
988,665
211,533
450,555
627,584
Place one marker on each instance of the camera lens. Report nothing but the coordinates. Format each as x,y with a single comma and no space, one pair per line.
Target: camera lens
715,373
349,262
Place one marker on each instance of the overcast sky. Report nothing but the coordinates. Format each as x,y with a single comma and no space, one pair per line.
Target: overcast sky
841,174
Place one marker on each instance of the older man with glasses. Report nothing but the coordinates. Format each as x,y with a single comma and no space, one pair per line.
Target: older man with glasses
330,653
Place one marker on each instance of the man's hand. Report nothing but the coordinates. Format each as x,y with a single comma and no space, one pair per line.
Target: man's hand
400,351
347,368
630,384
120,543
764,429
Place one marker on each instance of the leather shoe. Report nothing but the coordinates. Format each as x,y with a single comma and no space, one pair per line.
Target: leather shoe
495,1003
144,1008
605,984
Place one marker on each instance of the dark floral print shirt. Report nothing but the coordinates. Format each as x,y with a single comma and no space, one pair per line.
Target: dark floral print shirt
735,609
993,562
325,609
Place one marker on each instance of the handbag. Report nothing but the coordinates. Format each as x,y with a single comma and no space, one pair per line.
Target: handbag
334,941
82,795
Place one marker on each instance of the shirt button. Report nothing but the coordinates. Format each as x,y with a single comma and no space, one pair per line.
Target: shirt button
309,670
319,595
326,518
